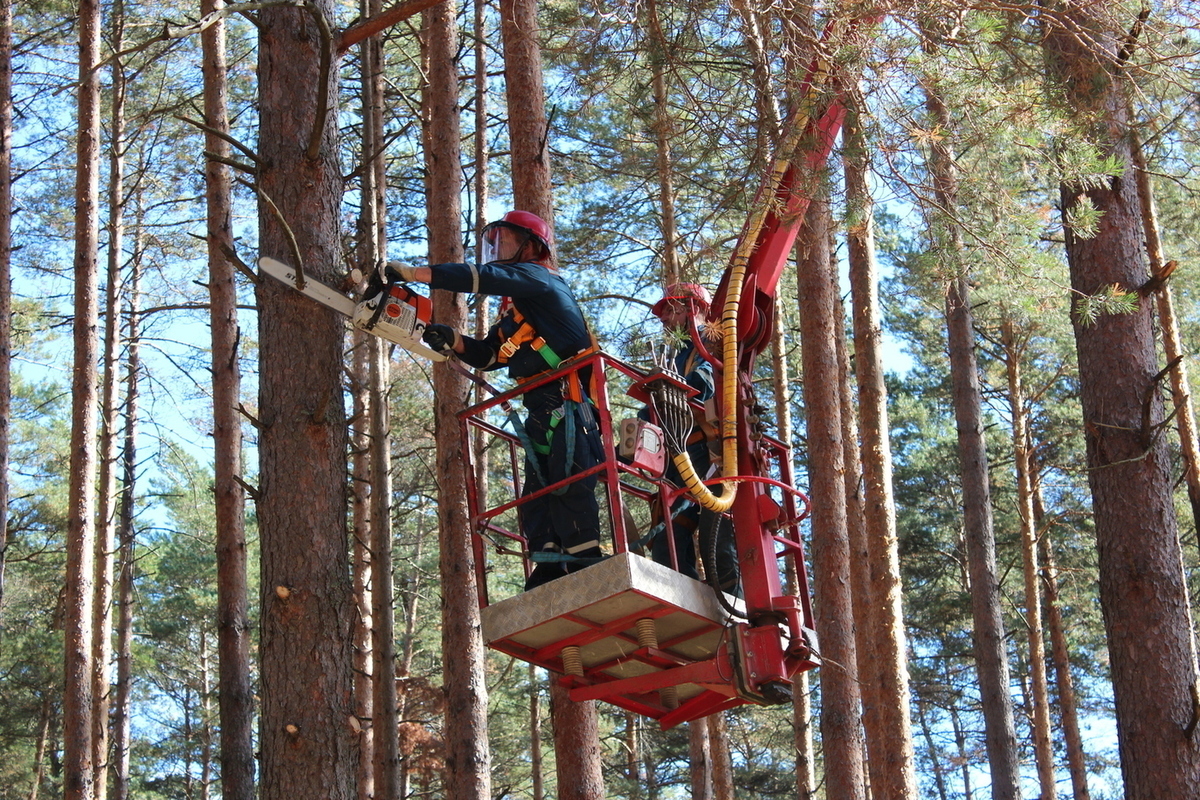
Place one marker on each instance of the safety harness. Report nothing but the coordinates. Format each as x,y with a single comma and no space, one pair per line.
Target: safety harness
574,397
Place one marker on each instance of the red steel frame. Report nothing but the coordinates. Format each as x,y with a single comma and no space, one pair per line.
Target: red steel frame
775,644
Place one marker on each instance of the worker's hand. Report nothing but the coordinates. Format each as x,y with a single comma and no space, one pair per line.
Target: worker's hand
441,338
406,271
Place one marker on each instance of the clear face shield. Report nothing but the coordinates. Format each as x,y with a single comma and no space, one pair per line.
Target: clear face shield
491,244
503,241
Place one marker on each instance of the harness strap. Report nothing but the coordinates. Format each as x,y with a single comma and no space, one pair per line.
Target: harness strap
526,334
532,449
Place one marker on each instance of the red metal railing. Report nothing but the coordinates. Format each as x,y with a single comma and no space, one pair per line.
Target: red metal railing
621,482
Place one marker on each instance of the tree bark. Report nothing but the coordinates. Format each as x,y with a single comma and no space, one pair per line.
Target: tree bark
1185,415
535,734
886,711
1143,588
722,758
576,746
235,698
126,552
78,763
841,734
307,742
385,721
990,655
991,659
801,694
663,130
528,129
6,310
468,757
1043,747
109,401
700,758
1067,707
576,726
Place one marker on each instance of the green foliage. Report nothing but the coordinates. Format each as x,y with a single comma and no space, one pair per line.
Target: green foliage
1113,300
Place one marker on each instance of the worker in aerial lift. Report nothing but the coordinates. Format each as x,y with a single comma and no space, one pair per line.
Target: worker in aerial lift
682,309
540,324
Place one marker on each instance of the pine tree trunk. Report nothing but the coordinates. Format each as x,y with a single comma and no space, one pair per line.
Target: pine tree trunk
841,734
991,661
1189,441
865,637
6,209
308,747
886,717
663,131
939,777
388,773
78,767
1067,707
700,758
43,740
801,697
235,697
576,726
535,734
384,721
1043,747
527,126
109,401
468,757
1143,588
361,564
990,655
722,758
126,537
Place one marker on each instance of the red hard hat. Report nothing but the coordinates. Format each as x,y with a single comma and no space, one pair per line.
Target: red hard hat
684,291
527,221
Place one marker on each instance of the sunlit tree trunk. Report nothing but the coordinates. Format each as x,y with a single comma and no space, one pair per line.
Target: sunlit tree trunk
820,325
6,311
991,660
78,763
1173,350
663,131
387,773
126,561
109,400
886,704
307,744
719,749
1060,656
361,564
235,698
1143,587
1043,748
576,726
468,757
700,758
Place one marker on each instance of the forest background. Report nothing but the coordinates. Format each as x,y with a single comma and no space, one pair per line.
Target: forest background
659,121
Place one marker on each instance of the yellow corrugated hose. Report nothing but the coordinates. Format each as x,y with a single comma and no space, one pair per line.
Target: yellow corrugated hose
768,199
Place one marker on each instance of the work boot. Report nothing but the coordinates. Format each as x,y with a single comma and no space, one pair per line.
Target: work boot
544,573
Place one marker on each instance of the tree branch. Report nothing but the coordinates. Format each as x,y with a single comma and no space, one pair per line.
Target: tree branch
389,17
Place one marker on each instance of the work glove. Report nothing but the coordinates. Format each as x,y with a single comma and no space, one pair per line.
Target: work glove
406,272
441,338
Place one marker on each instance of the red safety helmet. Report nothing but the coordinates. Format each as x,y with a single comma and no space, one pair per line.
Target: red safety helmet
693,292
530,225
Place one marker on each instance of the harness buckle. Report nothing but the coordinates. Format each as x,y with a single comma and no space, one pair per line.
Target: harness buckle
507,349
